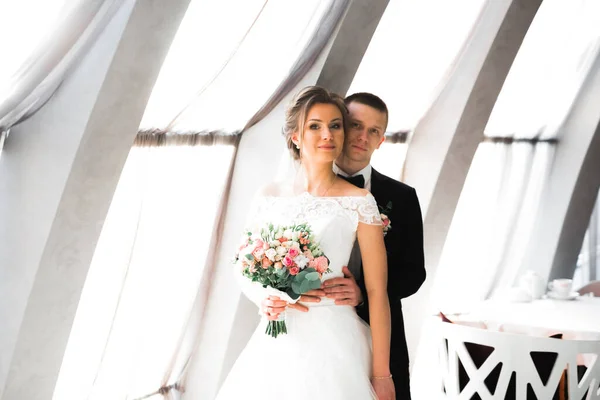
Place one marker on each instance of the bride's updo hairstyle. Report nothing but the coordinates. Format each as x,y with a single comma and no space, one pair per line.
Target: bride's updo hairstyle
295,115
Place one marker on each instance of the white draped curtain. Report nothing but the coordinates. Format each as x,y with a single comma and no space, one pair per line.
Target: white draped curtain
141,310
588,262
412,50
40,42
484,251
249,49
145,272
389,158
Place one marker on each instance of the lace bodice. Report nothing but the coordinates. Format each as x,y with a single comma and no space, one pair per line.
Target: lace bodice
305,207
334,221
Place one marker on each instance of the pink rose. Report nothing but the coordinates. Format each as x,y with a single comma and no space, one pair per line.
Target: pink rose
287,261
321,264
278,265
294,270
266,263
293,252
259,250
386,222
258,253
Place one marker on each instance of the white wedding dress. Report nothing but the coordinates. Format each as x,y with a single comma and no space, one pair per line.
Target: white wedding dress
326,353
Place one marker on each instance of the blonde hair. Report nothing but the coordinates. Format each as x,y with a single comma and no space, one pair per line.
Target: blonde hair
295,115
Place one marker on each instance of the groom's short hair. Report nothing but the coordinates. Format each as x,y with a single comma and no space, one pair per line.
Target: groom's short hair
368,99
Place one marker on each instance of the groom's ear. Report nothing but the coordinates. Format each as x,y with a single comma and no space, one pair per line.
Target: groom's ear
381,141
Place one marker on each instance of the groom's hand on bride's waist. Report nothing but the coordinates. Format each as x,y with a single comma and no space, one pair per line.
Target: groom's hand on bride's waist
344,290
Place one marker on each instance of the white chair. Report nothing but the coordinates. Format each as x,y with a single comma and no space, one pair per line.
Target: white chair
514,353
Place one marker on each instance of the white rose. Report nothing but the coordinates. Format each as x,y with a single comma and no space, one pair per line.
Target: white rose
278,258
301,261
281,250
271,253
287,244
288,233
295,236
274,243
278,234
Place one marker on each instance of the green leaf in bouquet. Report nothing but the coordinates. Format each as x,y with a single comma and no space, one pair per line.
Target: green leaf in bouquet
249,257
300,276
297,287
313,285
313,276
305,286
292,294
282,272
306,271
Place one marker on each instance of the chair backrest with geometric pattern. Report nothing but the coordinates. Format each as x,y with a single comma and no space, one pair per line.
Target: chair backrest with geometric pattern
509,358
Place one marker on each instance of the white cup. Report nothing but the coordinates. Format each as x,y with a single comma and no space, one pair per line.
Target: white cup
561,287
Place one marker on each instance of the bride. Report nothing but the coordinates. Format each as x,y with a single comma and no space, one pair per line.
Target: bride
328,352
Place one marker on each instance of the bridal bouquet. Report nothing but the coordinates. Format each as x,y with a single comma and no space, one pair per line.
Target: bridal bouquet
285,258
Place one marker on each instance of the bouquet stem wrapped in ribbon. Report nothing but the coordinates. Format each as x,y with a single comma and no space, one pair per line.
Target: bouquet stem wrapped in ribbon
285,258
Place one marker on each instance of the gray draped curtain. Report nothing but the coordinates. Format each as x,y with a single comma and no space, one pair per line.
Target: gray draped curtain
326,28
184,339
176,378
42,72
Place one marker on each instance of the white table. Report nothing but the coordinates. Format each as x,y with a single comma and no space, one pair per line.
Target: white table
579,315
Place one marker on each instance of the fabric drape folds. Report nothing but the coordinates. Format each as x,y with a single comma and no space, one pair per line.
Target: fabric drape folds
29,81
484,253
132,333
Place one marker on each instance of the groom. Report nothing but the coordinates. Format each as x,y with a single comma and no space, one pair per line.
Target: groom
403,242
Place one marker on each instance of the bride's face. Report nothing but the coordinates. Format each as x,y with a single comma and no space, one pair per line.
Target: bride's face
323,138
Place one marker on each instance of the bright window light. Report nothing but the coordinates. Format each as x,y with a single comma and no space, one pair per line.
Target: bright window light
389,159
413,47
218,77
25,25
145,272
548,71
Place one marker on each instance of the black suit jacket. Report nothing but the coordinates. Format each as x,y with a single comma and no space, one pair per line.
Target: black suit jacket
406,265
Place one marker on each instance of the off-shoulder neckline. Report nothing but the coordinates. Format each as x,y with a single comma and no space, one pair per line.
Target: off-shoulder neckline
307,194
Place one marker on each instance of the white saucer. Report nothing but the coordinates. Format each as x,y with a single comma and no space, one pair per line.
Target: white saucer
555,296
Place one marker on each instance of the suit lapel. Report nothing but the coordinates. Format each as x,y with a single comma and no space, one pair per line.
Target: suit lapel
381,194
378,188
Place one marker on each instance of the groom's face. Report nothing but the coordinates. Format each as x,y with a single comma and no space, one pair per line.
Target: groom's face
366,132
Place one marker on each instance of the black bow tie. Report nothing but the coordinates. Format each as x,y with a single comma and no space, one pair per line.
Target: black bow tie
357,180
